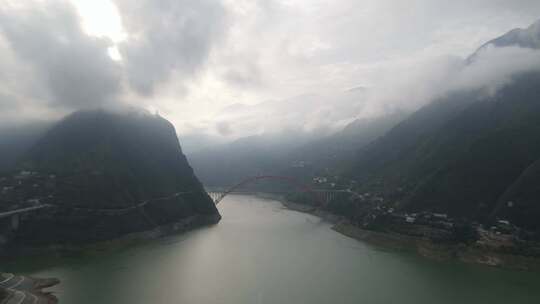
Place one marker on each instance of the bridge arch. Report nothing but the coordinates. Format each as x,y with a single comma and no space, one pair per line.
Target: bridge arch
290,180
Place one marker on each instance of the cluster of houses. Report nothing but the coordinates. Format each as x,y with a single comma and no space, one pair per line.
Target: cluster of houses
378,214
299,164
501,227
440,220
320,180
324,181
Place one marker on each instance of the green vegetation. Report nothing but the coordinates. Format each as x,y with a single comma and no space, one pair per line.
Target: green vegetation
460,155
98,160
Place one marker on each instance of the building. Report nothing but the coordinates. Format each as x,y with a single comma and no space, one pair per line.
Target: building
410,219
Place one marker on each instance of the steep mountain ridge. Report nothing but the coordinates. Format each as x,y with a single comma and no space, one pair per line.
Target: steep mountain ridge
520,37
498,139
108,174
470,154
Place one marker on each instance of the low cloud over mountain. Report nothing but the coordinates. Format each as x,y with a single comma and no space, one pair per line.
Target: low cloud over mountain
236,68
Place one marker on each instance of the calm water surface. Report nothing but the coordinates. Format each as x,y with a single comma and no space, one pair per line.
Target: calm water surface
262,253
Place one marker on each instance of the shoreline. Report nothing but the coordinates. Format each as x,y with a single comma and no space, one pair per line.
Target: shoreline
182,226
469,254
35,287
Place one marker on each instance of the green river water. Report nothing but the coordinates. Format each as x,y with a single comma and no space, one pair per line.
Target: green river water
263,253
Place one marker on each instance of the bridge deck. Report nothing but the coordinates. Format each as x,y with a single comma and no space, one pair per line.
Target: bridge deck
23,210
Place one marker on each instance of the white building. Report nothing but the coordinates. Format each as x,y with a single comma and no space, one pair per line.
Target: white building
410,219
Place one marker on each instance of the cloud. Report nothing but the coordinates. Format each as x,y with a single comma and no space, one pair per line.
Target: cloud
234,68
168,37
74,67
278,54
50,64
224,128
244,75
305,113
401,87
493,68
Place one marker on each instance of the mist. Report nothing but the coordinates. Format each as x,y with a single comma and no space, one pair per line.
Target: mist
222,71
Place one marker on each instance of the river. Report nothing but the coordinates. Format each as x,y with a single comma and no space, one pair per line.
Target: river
263,253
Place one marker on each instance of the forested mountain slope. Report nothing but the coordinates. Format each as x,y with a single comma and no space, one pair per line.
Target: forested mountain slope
473,153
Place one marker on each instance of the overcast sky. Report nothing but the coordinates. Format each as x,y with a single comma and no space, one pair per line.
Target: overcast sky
232,68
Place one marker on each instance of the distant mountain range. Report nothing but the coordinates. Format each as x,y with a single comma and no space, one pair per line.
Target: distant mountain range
298,154
227,164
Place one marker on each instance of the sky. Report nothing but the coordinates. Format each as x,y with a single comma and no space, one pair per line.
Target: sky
233,68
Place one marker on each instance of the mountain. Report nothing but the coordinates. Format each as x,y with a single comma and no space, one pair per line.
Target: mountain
293,154
470,154
405,153
109,174
228,164
339,148
15,140
524,38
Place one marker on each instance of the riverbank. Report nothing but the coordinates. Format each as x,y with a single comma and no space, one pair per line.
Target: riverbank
16,250
15,289
325,215
471,254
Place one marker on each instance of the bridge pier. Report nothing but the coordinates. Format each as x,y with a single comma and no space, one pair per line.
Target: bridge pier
15,221
10,221
10,224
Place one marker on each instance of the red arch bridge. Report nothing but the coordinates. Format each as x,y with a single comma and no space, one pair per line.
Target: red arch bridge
320,196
